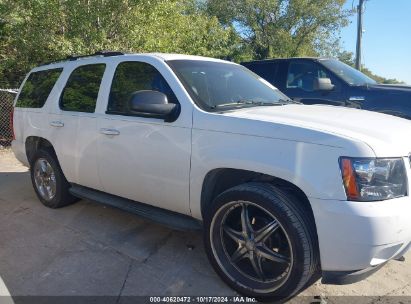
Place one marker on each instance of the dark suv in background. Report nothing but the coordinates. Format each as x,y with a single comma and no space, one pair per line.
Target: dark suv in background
329,81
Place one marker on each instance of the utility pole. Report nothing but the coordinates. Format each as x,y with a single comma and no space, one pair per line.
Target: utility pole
359,35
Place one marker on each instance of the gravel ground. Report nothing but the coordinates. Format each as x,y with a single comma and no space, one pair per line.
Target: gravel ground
87,249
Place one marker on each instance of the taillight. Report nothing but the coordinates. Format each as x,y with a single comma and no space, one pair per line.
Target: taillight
12,123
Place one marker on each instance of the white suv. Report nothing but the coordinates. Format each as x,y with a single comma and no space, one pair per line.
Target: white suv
283,191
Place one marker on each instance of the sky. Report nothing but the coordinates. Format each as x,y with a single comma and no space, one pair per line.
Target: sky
386,39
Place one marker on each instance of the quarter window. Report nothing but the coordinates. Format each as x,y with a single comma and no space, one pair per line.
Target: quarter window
131,77
81,91
37,88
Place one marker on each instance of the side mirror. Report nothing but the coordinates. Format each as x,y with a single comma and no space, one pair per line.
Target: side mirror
153,104
323,84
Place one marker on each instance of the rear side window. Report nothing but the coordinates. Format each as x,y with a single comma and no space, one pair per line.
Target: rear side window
81,91
131,77
37,88
266,70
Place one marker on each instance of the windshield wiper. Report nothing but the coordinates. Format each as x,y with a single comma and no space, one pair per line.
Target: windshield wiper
240,102
290,101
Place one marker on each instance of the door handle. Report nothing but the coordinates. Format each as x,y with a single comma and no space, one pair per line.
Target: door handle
57,124
106,131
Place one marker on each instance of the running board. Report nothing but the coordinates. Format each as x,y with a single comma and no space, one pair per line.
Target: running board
162,216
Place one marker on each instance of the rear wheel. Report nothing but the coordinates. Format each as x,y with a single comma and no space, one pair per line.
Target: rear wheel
260,241
48,180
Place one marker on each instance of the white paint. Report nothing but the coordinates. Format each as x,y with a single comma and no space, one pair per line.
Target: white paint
165,164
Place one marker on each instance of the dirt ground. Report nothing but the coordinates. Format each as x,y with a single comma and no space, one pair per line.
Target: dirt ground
87,249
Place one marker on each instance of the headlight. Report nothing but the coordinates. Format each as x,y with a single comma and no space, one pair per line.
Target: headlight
373,179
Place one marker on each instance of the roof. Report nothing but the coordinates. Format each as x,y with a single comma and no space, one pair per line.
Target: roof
284,59
170,56
162,56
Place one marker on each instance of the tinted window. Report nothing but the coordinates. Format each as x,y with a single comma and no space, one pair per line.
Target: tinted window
266,70
349,74
81,91
37,88
301,75
217,86
131,77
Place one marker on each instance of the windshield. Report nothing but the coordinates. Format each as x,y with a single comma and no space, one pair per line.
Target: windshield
347,73
218,86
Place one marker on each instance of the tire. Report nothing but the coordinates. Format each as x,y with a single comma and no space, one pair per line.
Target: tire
50,184
240,258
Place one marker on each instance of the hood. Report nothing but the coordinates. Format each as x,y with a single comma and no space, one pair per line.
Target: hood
395,92
387,88
386,135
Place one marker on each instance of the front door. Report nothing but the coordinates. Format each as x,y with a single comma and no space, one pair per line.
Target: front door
140,158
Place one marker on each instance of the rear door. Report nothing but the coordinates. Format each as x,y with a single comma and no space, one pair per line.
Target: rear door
144,158
299,83
31,108
73,124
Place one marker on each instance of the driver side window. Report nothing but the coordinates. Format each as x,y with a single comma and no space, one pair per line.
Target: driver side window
302,75
131,77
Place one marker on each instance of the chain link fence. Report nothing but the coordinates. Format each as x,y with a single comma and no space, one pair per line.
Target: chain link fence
6,107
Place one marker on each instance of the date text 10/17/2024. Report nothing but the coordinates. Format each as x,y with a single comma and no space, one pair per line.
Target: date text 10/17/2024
202,299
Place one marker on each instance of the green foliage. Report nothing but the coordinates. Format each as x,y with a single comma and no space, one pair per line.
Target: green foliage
282,28
36,31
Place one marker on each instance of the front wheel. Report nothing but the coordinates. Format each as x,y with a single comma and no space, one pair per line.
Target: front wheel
261,241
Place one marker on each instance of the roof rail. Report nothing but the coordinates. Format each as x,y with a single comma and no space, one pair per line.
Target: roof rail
99,53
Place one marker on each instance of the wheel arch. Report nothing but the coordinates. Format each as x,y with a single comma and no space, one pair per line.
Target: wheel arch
218,180
33,143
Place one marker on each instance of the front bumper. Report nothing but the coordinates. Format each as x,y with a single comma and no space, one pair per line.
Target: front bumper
348,277
357,237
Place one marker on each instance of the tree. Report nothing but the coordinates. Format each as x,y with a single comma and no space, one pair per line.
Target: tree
282,28
36,31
